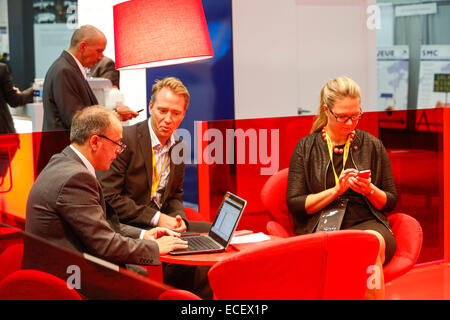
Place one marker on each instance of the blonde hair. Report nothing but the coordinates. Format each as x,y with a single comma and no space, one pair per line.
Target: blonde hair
173,84
333,90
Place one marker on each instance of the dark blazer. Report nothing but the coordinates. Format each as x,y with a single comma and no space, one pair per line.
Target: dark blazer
106,68
65,92
128,182
66,206
10,96
307,175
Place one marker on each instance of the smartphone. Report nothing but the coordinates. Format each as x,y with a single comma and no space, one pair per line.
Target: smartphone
364,174
140,110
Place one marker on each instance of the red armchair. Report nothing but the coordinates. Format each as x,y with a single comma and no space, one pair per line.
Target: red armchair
273,197
9,236
407,230
408,236
11,250
11,259
178,294
193,215
323,265
35,285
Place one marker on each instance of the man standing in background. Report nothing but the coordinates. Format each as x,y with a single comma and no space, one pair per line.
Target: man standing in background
106,68
66,89
11,95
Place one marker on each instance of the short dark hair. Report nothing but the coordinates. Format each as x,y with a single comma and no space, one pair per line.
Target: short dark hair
90,121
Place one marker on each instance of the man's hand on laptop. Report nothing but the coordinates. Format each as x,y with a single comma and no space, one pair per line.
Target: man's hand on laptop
159,232
170,243
176,224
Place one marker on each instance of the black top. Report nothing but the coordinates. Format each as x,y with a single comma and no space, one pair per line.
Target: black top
308,175
8,95
357,209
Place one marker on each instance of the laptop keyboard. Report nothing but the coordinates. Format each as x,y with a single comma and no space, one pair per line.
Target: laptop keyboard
201,243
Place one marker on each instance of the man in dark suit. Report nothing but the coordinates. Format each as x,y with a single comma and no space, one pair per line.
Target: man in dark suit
66,204
145,183
106,68
11,95
66,89
14,97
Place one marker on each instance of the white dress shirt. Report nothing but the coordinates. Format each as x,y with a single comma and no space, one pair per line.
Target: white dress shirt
85,161
82,69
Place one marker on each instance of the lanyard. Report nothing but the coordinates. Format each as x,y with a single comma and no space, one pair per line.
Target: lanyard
330,151
156,177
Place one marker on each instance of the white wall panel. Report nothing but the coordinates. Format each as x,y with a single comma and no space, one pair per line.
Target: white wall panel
284,54
264,54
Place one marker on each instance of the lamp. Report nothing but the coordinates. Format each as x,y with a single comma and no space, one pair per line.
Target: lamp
153,33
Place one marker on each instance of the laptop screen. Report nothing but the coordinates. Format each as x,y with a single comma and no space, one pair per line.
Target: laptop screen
227,218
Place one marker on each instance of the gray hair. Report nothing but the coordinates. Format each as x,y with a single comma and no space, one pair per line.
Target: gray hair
86,33
90,121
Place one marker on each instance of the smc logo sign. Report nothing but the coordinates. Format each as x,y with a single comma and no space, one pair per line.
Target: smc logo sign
430,53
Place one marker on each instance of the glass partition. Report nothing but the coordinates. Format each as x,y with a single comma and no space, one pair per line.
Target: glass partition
90,277
22,158
240,155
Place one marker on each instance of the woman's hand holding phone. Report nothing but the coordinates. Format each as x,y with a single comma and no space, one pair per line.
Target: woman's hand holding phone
361,183
364,174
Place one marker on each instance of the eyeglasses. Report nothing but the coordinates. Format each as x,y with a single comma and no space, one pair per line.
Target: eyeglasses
121,145
344,119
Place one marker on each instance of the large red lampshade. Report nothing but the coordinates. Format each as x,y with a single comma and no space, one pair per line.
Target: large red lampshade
152,33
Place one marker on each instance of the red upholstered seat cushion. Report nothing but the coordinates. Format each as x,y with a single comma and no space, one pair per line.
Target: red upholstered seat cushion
35,285
178,295
11,259
408,237
323,265
273,196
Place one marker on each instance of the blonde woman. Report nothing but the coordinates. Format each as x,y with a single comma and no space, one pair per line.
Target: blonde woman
324,171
